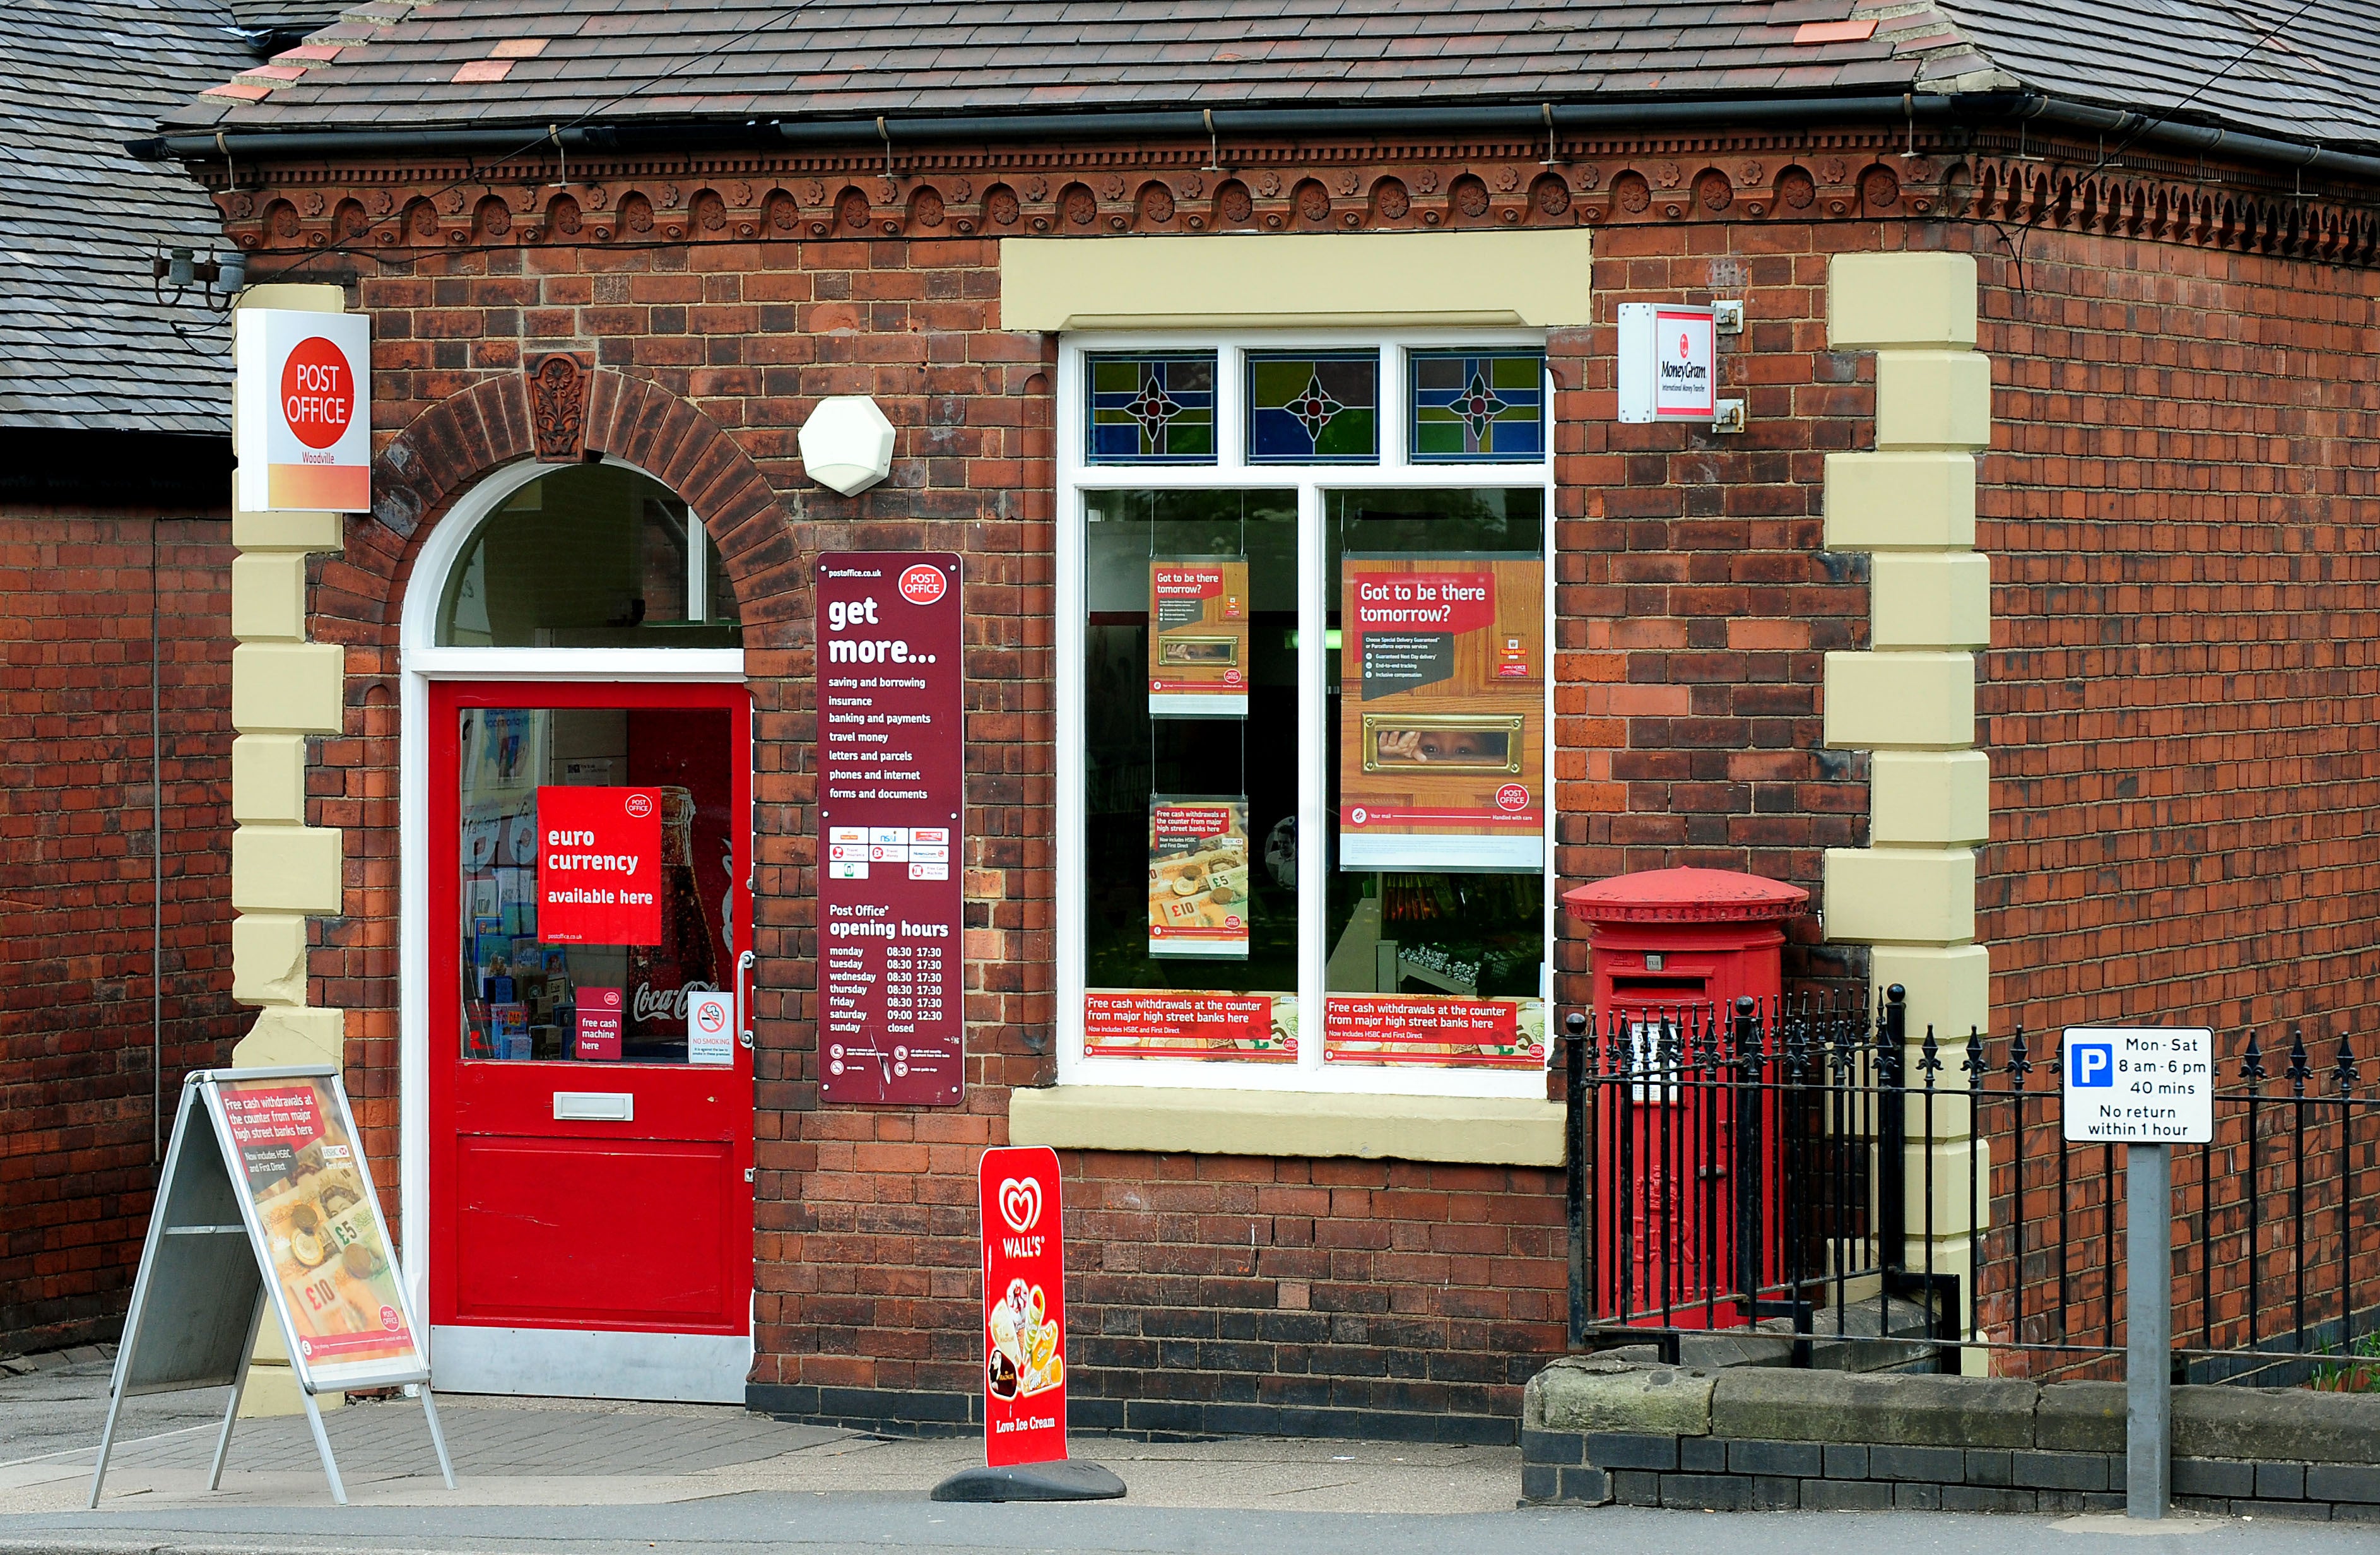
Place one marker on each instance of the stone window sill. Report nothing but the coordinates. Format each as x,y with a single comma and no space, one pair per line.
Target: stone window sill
1499,1131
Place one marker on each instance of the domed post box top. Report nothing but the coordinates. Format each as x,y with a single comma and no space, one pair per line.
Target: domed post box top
1685,896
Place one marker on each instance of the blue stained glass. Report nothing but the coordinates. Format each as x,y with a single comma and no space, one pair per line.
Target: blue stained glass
1149,409
1479,408
1314,408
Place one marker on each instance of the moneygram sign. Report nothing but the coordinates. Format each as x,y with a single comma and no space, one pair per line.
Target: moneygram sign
304,411
1669,363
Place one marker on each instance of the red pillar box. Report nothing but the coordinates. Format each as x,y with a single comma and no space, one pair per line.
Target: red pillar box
1679,1169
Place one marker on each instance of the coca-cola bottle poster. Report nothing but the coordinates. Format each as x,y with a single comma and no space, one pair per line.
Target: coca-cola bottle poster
685,754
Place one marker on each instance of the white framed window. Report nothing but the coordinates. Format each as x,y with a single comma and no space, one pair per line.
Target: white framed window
1304,710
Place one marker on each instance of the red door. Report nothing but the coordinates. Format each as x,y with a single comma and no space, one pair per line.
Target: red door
591,1111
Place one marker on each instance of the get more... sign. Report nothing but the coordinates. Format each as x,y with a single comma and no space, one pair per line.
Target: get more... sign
303,411
2137,1084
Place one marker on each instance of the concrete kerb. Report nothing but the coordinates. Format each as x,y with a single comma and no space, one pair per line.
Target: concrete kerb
1597,1429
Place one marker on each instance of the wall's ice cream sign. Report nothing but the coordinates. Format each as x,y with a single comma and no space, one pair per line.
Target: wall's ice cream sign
303,411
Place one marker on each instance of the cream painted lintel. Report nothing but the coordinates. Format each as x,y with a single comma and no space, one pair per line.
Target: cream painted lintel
1474,319
1536,277
1499,1131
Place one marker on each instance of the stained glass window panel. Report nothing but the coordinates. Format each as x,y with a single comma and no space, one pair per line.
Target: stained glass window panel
1479,407
1314,408
1150,409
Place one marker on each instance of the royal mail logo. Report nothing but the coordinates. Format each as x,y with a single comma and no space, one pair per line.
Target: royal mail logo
1512,796
1020,1203
923,585
640,805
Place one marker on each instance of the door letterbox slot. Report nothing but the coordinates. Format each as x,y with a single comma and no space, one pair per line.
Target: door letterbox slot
595,1106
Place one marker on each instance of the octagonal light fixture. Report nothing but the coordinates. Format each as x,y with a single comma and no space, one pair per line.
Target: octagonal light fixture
847,444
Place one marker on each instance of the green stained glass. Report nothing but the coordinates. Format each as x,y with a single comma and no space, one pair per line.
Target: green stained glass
1478,407
1311,408
1150,409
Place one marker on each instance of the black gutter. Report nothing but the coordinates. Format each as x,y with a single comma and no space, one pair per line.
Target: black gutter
280,146
2118,124
1532,118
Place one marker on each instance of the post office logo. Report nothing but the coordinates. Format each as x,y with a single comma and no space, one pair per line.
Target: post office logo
641,805
923,585
1512,796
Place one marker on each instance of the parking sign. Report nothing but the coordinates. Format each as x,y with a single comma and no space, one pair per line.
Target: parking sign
2127,1084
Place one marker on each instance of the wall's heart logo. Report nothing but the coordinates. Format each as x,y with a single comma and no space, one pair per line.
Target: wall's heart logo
1020,1203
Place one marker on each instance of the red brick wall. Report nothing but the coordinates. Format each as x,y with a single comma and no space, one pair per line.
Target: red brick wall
76,979
1695,607
2179,707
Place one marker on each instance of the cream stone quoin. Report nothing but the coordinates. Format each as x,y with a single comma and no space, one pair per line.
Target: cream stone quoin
282,871
1911,699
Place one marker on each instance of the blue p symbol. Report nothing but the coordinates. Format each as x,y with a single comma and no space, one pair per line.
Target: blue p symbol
2091,1065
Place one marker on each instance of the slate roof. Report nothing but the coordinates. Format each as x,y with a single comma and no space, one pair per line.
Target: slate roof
2255,63
82,342
492,61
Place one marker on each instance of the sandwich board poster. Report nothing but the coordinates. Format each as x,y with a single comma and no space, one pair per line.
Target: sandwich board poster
1198,637
1199,876
265,1201
1024,1305
307,1196
1442,712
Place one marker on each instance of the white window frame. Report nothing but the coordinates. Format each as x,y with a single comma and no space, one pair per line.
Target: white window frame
1315,811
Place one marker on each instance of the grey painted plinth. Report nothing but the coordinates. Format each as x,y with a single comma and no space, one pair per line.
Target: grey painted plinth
1069,1479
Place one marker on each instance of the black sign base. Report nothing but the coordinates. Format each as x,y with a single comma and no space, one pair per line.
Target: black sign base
1069,1479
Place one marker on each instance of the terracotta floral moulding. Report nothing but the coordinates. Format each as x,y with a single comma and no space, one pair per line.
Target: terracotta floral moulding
1045,195
1832,176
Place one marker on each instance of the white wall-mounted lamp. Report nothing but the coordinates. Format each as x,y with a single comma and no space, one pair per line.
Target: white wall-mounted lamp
847,444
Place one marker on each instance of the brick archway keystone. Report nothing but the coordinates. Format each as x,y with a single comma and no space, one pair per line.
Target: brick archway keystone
450,446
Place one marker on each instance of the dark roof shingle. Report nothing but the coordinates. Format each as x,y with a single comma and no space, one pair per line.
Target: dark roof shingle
83,343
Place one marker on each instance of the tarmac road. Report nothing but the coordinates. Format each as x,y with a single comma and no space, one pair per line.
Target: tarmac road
598,1477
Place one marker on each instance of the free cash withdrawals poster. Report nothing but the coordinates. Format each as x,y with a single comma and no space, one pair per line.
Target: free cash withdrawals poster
332,1277
1198,637
1442,712
1198,876
1192,1024
1425,1032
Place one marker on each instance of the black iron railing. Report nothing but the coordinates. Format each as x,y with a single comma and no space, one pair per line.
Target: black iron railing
1731,1168
1737,1166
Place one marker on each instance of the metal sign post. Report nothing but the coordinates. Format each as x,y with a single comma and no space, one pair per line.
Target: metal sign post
265,1201
2147,1088
2148,1343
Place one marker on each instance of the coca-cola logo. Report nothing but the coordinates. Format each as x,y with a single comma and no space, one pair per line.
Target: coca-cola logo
667,1003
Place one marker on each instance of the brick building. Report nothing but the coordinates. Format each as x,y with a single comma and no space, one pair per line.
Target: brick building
2021,623
115,446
